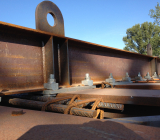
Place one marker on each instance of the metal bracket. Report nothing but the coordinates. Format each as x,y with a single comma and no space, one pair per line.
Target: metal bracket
42,10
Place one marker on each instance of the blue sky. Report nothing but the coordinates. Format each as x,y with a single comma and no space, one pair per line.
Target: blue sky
98,21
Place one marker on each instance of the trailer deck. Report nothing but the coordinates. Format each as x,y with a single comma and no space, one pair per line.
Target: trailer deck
45,125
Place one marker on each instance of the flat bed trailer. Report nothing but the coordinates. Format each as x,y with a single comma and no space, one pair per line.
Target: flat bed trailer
29,56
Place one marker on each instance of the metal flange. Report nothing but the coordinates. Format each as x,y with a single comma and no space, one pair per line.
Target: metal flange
42,10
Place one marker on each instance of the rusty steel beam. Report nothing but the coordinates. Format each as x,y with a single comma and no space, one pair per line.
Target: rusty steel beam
109,115
77,60
48,59
148,101
158,65
64,63
19,91
152,86
41,98
100,61
148,81
21,63
120,96
153,66
29,56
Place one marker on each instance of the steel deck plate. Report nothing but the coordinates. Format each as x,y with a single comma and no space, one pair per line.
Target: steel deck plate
46,125
123,96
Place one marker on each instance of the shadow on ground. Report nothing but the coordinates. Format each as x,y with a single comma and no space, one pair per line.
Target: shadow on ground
94,130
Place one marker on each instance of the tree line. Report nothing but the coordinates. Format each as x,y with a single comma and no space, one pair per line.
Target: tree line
140,35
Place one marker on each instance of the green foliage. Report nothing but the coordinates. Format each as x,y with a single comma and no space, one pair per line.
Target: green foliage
140,35
155,14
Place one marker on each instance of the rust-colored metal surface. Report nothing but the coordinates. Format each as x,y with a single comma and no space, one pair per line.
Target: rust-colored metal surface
99,62
78,103
21,64
104,83
19,91
108,115
158,66
151,86
60,126
148,81
48,7
64,63
28,56
48,59
153,66
120,96
26,59
75,98
80,57
50,106
55,100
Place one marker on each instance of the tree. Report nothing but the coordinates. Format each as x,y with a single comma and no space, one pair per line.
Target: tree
155,14
140,35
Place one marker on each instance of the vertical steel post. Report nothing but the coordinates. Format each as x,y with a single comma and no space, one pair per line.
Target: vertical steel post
64,63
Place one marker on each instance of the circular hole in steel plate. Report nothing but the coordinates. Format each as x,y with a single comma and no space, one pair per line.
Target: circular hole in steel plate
50,19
